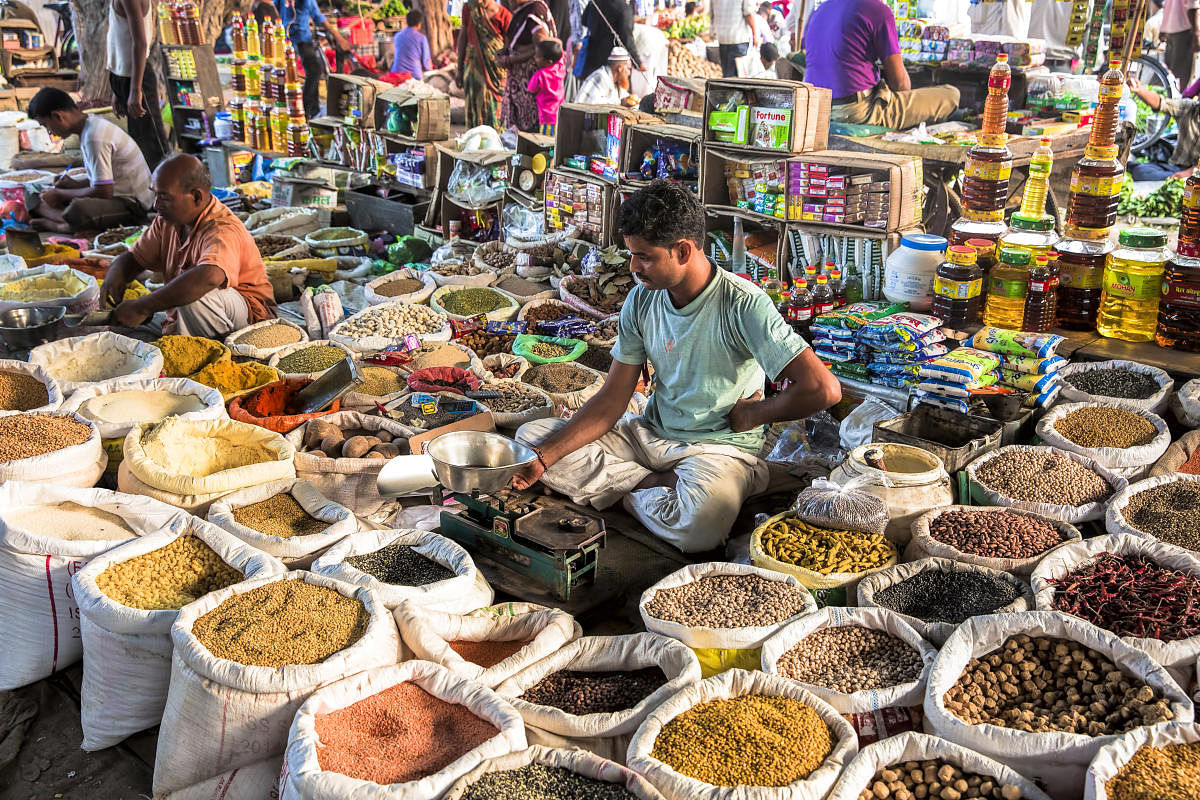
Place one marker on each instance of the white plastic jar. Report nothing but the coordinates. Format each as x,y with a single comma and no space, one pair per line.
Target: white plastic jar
909,271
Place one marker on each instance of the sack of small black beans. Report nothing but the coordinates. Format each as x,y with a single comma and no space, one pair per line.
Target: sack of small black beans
1045,480
1125,440
1146,762
594,692
1127,383
936,595
20,380
1165,509
1186,404
1005,539
1090,680
486,649
1180,457
1108,580
919,762
421,567
543,772
743,734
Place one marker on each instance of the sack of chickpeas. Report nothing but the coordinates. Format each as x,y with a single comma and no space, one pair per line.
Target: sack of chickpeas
743,734
1006,539
599,713
1045,480
377,327
1125,440
1086,688
1146,762
128,599
246,658
868,663
911,765
538,766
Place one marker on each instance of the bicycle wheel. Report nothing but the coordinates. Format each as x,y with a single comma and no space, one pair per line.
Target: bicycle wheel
1157,78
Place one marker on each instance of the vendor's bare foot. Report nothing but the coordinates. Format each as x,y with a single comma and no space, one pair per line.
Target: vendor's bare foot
667,480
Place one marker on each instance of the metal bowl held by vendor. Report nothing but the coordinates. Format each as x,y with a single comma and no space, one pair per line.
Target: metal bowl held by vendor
468,461
23,328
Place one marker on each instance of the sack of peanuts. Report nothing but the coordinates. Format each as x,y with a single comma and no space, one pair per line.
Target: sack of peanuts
1044,480
59,448
1053,739
263,339
1126,440
47,533
724,611
919,761
935,595
599,712
27,387
401,286
777,737
295,632
83,360
1146,762
449,727
1186,404
868,663
1119,382
128,599
1005,539
1164,509
538,766
288,519
1180,457
420,567
486,649
260,779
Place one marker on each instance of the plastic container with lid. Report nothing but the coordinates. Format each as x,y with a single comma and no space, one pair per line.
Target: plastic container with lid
1080,270
909,271
1041,296
1008,285
957,287
1132,286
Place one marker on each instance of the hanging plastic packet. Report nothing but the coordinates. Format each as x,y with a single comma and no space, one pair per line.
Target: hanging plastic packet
965,366
1015,343
1032,365
568,327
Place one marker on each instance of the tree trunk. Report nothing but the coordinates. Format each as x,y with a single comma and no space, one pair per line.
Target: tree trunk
437,28
90,20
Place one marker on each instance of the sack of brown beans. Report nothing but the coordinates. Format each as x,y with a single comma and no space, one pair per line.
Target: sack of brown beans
27,387
1005,539
47,533
1116,582
1164,509
308,359
744,734
420,567
59,448
1180,457
1125,440
1086,687
594,692
868,663
926,766
936,595
724,611
1121,382
503,366
1146,762
1185,403
486,649
82,360
263,339
552,772
128,599
402,286
1044,480
245,659
288,519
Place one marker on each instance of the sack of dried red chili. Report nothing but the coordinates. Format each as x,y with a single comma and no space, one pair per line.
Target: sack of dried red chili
442,379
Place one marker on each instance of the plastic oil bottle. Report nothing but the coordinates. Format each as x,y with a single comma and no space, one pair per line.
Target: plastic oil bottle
800,308
1179,309
838,287
1133,286
823,300
1008,285
988,167
1031,227
1040,298
957,287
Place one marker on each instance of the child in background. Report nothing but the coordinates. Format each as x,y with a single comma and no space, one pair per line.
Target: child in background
548,84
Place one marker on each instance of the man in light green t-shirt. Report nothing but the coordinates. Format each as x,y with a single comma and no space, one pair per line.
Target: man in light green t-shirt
685,466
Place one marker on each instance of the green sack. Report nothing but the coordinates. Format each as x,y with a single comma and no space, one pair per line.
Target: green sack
521,347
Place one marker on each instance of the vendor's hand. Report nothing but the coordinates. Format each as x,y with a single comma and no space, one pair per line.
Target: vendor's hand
112,290
118,104
528,475
1133,83
134,107
130,313
741,416
1184,173
54,198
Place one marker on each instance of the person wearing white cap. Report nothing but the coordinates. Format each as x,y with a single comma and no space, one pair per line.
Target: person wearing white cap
608,85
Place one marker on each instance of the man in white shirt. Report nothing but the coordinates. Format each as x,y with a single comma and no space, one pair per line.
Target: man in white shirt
608,85
134,87
117,189
1001,18
651,43
733,25
1181,29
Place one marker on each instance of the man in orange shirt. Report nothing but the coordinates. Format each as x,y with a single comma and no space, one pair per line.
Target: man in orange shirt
215,281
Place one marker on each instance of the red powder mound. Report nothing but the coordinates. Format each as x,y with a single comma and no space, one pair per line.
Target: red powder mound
486,654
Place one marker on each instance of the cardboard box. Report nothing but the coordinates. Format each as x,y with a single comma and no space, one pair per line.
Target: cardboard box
640,138
714,187
534,155
595,217
338,86
448,158
903,198
587,131
807,128
763,240
415,165
453,209
302,193
433,114
394,211
678,95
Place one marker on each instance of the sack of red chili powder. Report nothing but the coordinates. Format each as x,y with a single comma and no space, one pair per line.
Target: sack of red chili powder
271,406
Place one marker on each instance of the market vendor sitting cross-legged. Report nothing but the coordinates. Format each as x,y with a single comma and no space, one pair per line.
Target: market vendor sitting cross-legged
685,466
215,281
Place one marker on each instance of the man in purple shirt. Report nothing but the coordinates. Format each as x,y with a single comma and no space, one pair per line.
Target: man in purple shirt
846,42
411,47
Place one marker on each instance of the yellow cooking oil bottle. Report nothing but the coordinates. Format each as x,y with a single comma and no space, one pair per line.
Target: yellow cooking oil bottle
1132,285
1008,285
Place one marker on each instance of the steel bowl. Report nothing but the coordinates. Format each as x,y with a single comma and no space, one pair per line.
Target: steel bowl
467,461
22,328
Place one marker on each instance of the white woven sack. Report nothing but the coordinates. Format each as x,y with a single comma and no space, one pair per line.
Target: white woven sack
1155,403
147,360
79,465
514,420
39,618
127,651
253,706
879,619
924,545
258,780
605,734
411,298
1115,521
937,632
573,401
303,778
1129,462
737,683
460,281
86,299
372,344
427,633
1071,514
580,762
474,364
859,774
553,302
214,405
347,481
503,314
296,552
273,361
54,395
284,221
453,595
261,353
569,297
1112,757
1186,403
1179,657
704,638
1057,760
358,401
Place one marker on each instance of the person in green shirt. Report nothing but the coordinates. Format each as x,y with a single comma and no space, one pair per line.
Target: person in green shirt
686,464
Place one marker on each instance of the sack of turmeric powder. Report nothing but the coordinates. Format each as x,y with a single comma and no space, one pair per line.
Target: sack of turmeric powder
271,406
233,380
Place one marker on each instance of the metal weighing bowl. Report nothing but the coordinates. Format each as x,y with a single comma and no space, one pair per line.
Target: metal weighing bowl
467,461
23,328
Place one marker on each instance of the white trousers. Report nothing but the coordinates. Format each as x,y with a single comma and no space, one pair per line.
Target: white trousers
216,314
696,515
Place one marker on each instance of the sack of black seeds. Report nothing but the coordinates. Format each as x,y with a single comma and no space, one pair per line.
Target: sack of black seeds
1165,509
546,772
1127,383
